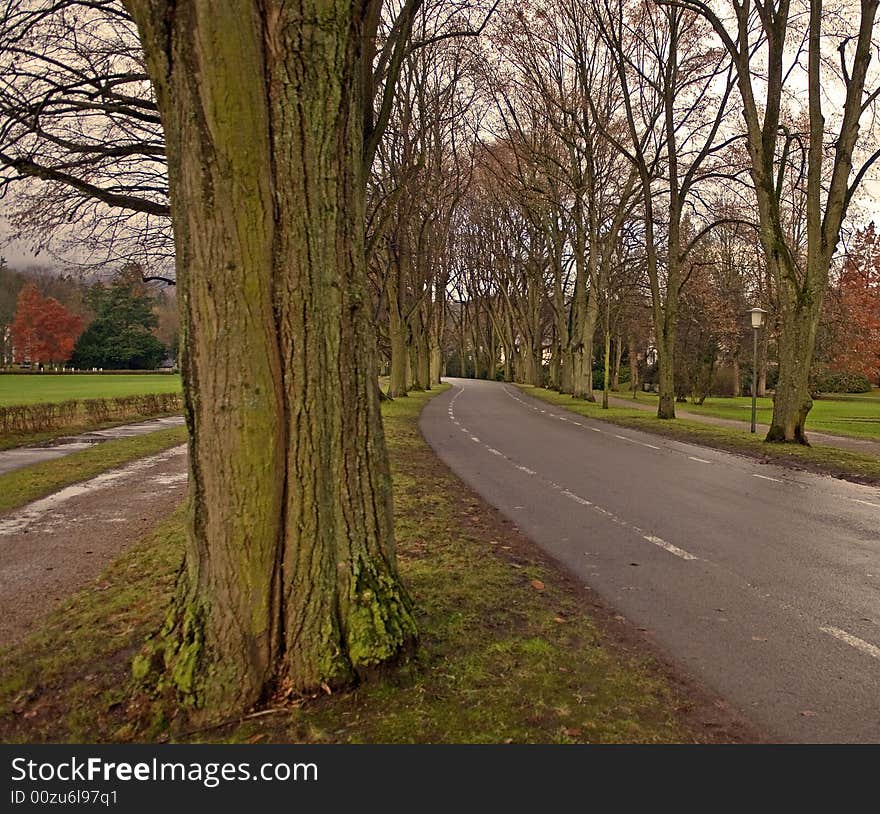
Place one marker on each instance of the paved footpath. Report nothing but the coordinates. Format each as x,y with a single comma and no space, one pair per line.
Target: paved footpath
865,445
54,546
25,456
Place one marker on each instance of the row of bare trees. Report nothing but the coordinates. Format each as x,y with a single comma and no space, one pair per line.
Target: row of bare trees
637,150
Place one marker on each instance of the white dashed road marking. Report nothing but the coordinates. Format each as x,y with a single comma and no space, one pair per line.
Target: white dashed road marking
853,641
653,539
767,477
672,549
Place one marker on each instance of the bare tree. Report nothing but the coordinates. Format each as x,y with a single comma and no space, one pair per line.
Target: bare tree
674,116
767,41
82,154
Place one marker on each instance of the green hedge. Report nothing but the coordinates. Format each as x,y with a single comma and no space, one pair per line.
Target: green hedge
840,381
32,371
31,418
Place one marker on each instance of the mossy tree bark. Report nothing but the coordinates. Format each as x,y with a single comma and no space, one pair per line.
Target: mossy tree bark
290,580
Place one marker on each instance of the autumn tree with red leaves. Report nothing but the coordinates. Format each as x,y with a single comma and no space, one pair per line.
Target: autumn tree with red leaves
44,330
855,309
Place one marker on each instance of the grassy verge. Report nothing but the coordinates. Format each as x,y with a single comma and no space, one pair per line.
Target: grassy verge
32,439
510,648
854,416
840,463
33,482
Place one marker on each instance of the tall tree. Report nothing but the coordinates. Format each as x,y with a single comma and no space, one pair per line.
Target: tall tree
43,330
856,295
121,335
82,155
290,581
675,96
768,42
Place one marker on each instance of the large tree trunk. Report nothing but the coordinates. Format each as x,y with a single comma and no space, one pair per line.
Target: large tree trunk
290,580
799,320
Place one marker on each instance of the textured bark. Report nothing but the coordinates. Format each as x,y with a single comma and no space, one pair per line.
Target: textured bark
290,578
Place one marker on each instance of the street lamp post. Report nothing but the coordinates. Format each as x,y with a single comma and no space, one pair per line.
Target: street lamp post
758,315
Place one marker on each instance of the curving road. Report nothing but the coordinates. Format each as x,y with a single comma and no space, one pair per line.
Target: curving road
762,581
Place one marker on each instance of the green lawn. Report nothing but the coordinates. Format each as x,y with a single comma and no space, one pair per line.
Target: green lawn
856,466
856,414
40,388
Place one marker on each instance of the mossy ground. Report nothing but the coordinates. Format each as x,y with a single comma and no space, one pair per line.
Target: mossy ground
29,483
840,463
511,649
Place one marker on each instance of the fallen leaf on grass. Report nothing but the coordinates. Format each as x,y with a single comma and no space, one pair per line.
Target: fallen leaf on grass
537,585
572,733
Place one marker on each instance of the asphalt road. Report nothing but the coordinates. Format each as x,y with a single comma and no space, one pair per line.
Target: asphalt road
761,581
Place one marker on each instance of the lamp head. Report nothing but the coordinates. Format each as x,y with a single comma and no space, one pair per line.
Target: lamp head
757,315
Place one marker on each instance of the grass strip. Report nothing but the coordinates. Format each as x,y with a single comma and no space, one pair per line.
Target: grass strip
849,416
29,483
510,650
841,463
32,439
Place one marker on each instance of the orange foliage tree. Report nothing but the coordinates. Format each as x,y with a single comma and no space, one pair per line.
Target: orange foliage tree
857,332
43,331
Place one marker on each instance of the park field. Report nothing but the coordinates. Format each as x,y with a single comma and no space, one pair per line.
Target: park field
42,388
856,414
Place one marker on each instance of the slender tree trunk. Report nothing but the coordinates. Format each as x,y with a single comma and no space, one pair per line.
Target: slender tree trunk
581,355
290,580
462,357
633,357
397,333
606,367
618,359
